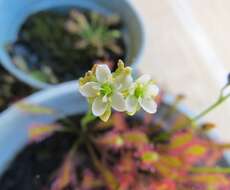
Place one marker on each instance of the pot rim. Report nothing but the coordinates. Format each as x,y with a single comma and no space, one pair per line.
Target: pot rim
134,60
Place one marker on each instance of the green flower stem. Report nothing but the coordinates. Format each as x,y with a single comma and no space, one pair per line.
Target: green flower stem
89,117
211,170
220,100
192,121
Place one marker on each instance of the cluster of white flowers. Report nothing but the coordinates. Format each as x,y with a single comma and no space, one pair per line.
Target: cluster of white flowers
105,90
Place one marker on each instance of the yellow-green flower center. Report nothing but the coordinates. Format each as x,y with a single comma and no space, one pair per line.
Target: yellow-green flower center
139,91
106,89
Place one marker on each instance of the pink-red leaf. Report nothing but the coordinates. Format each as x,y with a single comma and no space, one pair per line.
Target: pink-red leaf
91,181
66,176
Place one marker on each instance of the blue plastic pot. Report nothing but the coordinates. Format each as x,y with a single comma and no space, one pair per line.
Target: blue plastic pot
13,14
65,100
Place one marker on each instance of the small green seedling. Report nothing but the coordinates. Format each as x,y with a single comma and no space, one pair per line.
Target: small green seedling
95,32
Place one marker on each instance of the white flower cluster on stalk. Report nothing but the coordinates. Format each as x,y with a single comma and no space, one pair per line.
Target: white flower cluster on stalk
118,90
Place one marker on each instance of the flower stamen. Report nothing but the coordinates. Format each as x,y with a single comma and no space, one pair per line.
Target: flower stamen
106,89
139,91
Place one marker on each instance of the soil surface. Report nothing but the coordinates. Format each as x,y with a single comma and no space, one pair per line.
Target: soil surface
47,51
33,167
12,89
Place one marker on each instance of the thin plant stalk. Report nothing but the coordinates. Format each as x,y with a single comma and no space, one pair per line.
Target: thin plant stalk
217,103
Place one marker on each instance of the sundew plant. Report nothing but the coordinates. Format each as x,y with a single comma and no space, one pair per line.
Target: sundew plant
95,32
117,150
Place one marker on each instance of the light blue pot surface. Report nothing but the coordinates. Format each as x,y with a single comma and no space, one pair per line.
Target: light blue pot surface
64,99
13,14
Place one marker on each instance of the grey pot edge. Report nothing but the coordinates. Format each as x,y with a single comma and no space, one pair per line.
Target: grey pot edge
128,6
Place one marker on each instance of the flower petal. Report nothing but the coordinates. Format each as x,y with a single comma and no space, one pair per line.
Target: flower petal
118,102
127,82
123,82
103,73
148,104
152,90
90,89
144,79
99,107
104,99
105,117
131,104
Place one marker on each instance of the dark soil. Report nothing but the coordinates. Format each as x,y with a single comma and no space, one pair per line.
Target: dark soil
47,52
34,166
12,89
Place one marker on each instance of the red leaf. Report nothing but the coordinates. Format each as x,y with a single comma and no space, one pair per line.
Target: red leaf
90,181
189,147
165,184
66,176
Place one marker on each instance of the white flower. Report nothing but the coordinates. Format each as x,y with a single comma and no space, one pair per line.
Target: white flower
105,90
142,94
104,93
122,77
